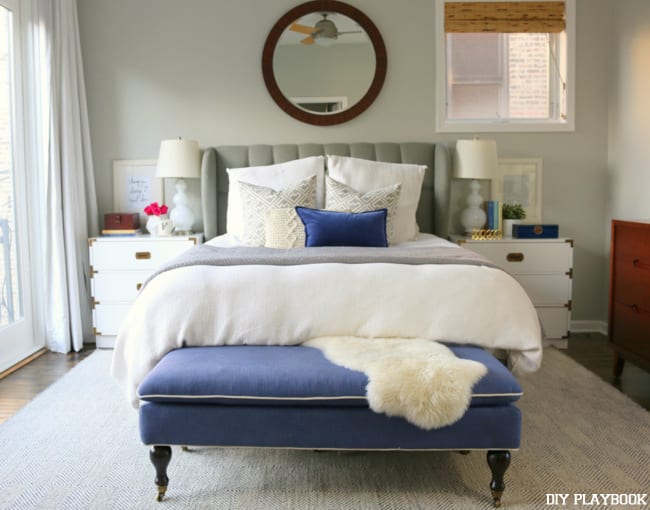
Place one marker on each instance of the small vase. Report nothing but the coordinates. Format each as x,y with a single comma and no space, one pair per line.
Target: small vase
153,224
507,227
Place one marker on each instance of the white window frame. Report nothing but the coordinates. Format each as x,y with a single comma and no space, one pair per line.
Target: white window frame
28,186
445,125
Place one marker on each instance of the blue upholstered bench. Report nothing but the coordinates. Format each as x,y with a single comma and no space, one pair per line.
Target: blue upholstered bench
292,396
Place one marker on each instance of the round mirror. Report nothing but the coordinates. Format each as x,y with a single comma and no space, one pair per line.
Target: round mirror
324,62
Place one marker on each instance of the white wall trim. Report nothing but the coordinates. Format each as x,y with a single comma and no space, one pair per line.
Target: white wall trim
589,327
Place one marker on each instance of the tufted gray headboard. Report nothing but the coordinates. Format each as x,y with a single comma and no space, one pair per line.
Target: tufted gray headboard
433,211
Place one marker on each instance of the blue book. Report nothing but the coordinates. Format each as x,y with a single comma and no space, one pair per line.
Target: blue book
490,214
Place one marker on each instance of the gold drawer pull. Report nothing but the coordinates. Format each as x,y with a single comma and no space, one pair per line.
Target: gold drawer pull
138,286
142,255
515,257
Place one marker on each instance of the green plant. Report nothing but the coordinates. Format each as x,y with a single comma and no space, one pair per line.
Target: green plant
513,212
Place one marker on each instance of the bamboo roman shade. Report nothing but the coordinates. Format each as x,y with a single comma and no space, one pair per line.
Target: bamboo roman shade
504,17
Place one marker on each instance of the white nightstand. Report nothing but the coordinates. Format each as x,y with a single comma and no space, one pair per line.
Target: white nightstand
544,268
118,268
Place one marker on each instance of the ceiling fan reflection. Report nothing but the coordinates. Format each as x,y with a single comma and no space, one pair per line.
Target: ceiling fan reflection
323,33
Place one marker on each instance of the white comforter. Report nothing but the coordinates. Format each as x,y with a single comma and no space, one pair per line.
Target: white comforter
264,305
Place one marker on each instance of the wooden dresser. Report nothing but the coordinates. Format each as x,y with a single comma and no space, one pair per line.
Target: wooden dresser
629,293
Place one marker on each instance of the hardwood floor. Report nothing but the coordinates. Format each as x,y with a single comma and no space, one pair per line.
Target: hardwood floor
21,386
593,352
590,350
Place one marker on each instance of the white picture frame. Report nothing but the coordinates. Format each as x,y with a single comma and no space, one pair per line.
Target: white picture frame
519,180
135,186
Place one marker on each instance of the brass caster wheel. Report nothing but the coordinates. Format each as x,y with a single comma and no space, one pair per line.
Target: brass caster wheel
496,498
161,493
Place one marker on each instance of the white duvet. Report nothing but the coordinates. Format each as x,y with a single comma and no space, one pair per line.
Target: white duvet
273,305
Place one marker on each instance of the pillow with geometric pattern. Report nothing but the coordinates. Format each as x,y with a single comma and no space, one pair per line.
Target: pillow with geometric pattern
277,176
340,197
257,200
364,175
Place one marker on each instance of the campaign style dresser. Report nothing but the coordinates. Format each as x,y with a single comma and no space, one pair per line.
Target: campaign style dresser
629,293
544,268
118,268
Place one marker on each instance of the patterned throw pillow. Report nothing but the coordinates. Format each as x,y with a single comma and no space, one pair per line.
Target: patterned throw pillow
364,175
277,176
283,229
339,197
256,200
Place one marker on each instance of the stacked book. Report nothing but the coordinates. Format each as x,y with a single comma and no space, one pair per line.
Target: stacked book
120,232
121,224
494,216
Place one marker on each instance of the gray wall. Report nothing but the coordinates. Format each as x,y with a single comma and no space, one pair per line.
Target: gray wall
339,70
629,140
157,69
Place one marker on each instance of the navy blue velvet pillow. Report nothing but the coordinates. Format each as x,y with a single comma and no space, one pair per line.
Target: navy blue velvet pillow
332,228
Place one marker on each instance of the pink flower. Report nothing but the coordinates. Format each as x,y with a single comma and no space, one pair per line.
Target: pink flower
153,209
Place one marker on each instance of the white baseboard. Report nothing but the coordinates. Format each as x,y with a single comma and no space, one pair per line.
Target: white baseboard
589,327
558,343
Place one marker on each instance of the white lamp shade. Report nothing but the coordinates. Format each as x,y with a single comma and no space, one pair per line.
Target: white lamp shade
179,158
475,159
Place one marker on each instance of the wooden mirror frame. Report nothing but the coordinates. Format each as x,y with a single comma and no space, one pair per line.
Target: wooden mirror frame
272,41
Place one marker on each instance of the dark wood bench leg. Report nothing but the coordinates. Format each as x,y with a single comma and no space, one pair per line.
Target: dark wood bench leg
498,462
160,457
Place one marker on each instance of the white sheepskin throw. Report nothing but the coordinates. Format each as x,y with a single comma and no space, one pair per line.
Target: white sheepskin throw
419,380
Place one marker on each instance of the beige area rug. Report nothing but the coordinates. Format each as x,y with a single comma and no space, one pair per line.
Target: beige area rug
76,446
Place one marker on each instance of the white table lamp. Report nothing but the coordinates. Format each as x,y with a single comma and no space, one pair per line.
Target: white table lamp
180,159
475,159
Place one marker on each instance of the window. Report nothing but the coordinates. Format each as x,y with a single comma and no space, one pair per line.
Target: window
504,74
19,335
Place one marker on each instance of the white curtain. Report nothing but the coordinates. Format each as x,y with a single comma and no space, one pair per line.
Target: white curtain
70,203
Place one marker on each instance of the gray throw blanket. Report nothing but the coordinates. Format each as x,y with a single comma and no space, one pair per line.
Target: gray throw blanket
205,255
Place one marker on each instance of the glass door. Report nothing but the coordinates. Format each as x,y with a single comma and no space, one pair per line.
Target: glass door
16,318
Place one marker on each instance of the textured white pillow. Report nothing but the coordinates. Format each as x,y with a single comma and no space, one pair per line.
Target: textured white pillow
283,228
340,197
276,177
258,199
364,175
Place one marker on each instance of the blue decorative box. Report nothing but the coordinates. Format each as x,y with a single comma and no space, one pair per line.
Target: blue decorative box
524,231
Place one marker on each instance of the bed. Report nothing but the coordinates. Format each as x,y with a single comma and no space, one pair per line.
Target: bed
314,347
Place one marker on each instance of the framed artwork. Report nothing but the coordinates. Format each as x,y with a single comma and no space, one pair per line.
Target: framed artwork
519,181
135,186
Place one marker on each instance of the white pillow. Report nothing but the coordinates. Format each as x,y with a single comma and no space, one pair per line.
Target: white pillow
276,177
364,175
